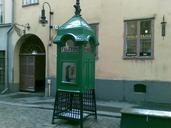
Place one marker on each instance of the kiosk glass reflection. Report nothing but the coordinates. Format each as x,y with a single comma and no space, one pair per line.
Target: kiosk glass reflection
69,72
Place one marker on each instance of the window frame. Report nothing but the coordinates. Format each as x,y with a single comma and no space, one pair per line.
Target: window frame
96,26
29,4
2,13
137,56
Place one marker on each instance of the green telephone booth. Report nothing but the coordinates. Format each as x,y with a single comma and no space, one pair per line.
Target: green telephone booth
76,50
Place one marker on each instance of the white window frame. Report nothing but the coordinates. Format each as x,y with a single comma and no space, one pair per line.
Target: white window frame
138,56
2,11
29,2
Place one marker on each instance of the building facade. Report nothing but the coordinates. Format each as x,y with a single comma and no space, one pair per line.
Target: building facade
133,58
5,25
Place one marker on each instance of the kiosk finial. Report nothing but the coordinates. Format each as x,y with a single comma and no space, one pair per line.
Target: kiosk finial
77,8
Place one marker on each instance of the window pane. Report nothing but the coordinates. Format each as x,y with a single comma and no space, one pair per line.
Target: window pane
29,2
145,27
131,28
69,47
145,47
69,72
33,1
24,2
1,11
131,47
1,19
145,38
88,48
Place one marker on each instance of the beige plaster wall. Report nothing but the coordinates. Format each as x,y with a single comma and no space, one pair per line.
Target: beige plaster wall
110,16
63,10
111,64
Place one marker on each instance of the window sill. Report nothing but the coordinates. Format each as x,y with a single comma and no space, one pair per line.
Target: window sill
5,24
27,5
138,58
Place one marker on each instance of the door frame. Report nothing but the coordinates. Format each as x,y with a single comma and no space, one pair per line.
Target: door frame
31,46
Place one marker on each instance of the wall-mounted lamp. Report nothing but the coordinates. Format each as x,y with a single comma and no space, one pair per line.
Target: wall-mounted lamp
163,27
43,19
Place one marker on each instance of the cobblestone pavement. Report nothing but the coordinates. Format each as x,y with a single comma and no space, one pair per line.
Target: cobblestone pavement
13,116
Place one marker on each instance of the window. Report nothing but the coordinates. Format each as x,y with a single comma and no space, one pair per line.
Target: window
30,2
2,69
69,72
1,11
141,88
69,47
139,38
95,27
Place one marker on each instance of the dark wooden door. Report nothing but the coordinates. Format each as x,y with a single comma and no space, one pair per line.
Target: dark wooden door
40,73
27,73
2,70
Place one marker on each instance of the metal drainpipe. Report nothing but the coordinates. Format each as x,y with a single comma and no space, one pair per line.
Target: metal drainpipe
47,71
7,53
48,81
7,63
48,57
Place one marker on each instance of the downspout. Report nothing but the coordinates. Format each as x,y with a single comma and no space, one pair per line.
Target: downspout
43,20
7,53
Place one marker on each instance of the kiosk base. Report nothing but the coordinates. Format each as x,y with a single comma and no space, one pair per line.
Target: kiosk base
74,106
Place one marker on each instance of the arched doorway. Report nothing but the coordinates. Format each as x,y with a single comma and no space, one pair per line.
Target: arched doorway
32,65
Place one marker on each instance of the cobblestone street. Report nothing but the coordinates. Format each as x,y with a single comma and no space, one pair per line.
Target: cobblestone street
13,116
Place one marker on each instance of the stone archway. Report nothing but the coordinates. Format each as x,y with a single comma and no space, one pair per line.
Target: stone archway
31,64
